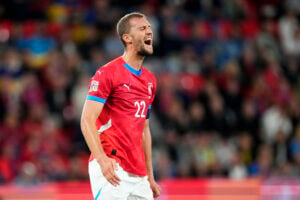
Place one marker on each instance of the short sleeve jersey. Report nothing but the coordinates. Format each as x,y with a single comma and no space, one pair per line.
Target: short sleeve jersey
127,95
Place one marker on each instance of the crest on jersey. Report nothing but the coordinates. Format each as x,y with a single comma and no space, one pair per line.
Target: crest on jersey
150,87
94,86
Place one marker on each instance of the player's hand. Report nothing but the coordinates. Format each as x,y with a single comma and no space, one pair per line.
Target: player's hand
108,168
156,189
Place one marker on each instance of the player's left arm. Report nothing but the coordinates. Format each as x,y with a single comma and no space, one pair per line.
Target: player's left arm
147,146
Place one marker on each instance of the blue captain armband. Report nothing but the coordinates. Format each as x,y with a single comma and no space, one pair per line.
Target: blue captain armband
93,98
148,112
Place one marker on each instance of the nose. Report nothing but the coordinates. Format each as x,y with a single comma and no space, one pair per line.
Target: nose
149,31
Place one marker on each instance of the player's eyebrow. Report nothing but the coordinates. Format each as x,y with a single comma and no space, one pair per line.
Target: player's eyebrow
144,26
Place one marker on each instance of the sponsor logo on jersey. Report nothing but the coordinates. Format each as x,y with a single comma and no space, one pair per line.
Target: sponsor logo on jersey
127,86
94,86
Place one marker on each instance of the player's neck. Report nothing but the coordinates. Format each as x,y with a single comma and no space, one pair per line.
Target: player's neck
135,61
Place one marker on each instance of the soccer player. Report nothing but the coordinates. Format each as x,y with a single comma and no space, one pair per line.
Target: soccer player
115,118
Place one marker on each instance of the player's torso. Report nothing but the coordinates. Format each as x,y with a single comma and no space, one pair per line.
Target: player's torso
128,101
131,96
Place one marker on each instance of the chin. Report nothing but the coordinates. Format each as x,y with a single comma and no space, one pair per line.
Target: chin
145,52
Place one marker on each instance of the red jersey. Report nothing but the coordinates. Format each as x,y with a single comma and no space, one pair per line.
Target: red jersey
127,95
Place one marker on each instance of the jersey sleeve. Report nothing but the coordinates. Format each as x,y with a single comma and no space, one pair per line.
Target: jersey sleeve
152,99
100,85
153,92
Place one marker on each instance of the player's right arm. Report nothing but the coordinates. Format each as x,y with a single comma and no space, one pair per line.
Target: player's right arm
90,113
100,87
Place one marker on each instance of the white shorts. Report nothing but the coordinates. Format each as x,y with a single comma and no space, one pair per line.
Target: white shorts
131,187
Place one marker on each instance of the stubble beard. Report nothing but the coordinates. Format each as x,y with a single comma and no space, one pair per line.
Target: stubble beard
144,52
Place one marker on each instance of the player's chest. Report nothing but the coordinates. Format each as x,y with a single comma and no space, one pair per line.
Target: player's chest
134,88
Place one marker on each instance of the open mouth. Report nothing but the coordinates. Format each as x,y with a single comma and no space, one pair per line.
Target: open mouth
148,42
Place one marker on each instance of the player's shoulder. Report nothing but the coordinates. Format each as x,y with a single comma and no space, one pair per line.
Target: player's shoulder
109,67
149,73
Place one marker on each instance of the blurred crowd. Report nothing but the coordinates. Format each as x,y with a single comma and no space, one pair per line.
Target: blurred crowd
228,99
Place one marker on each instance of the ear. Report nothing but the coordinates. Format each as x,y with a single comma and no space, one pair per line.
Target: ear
127,38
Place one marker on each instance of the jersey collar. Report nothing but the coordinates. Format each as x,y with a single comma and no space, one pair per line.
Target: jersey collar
129,68
132,70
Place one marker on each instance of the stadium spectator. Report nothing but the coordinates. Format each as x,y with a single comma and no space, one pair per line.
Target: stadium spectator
227,104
